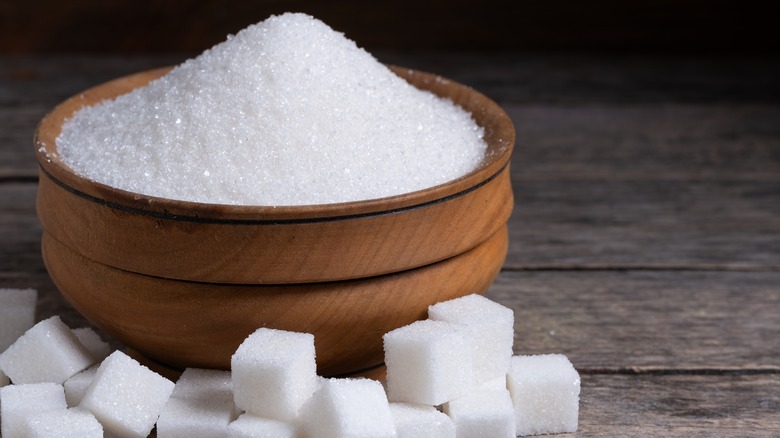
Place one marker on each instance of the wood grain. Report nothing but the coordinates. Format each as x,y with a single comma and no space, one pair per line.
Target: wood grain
636,321
645,224
646,142
679,405
192,324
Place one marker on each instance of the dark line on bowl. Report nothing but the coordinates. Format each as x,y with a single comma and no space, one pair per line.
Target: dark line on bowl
207,220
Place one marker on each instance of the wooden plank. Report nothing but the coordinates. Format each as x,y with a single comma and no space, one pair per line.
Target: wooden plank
47,80
587,78
640,142
645,224
17,127
636,321
679,405
20,230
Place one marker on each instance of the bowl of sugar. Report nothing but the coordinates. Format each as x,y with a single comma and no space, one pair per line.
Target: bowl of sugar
283,178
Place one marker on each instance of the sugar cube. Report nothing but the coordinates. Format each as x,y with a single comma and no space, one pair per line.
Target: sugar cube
250,426
545,391
274,373
199,383
17,402
195,418
494,383
17,314
48,352
421,421
125,396
483,413
92,342
348,408
76,386
4,380
428,362
493,326
69,423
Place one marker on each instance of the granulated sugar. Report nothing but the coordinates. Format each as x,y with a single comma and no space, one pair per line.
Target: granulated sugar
286,112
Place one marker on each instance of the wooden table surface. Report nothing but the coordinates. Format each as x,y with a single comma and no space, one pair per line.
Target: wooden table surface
645,240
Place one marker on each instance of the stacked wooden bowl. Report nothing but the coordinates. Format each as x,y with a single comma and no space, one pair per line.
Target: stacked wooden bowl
183,283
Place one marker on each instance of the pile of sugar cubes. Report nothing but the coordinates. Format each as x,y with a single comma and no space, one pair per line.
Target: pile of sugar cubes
452,375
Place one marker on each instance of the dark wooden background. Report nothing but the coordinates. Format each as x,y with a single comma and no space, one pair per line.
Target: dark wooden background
47,26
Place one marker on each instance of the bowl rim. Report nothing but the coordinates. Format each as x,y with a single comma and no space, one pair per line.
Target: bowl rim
499,136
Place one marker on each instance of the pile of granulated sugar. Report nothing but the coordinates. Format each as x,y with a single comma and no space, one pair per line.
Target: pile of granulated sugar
286,112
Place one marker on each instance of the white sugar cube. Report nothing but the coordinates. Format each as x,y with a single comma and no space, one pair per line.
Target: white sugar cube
17,402
428,362
195,418
17,314
250,426
199,383
93,343
69,423
274,373
76,386
421,421
493,326
483,413
545,391
125,396
48,352
348,408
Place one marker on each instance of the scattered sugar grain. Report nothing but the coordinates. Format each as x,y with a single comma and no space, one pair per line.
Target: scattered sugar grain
17,314
274,373
93,343
421,421
251,426
348,408
17,402
76,386
47,352
195,418
545,391
492,325
69,423
428,362
286,112
126,397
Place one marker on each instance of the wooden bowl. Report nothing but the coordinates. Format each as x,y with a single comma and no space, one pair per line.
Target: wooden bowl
185,282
